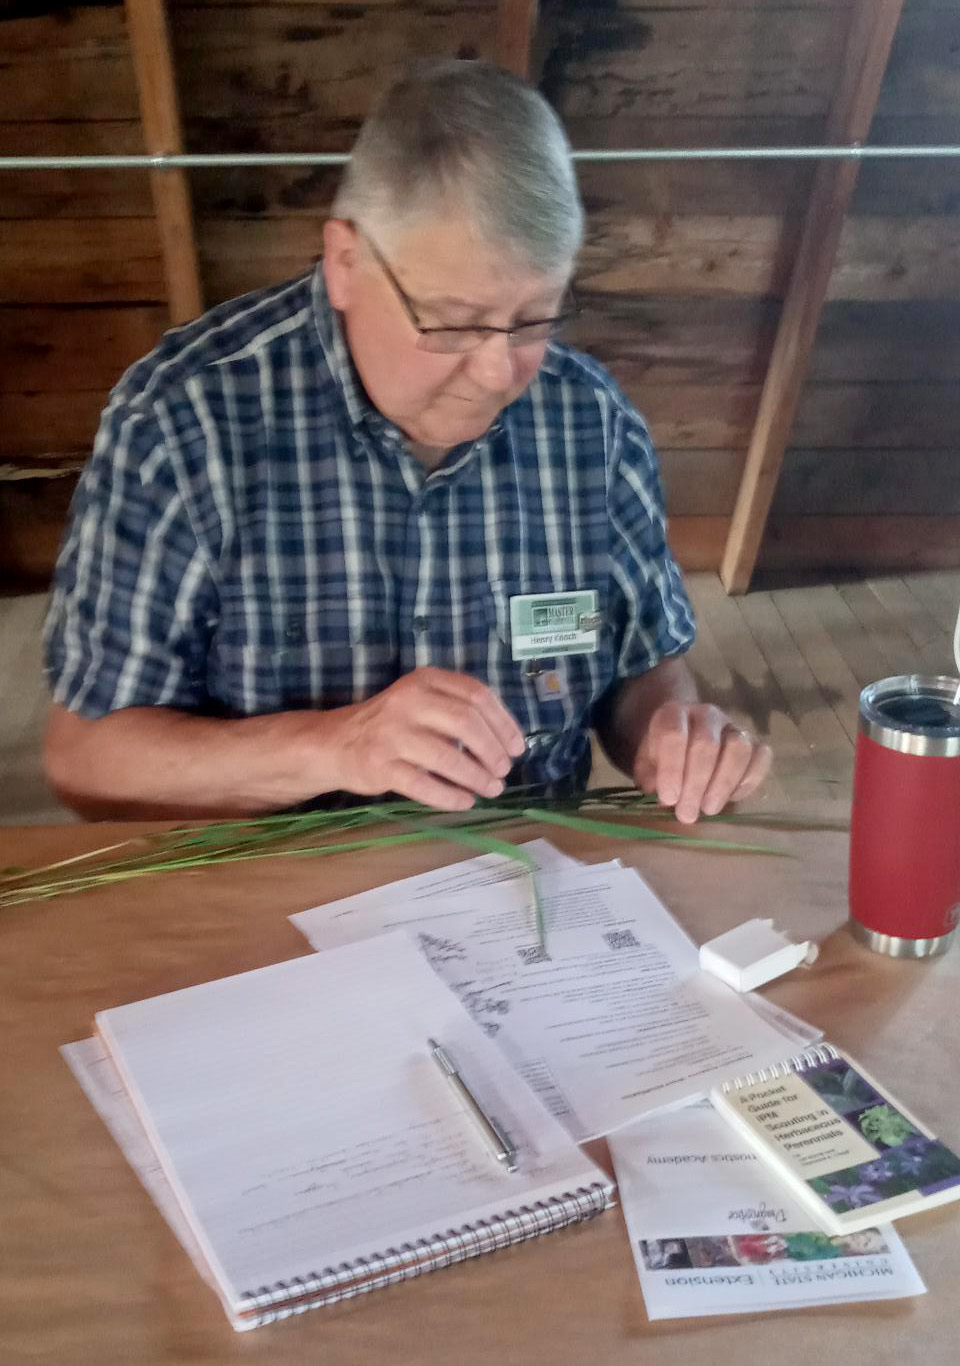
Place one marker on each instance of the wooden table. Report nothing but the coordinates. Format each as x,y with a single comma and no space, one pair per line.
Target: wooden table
92,1274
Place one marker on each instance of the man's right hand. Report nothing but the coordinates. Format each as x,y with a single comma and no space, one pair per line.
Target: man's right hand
434,736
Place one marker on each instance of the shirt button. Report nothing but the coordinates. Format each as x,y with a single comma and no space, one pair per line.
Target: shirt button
294,632
420,624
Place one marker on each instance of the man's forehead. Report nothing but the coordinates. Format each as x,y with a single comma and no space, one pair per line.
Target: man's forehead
532,291
450,268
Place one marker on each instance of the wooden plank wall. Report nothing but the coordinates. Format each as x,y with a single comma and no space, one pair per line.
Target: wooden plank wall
683,270
687,265
873,478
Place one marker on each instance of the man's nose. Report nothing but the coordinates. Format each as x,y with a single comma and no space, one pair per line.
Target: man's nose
491,364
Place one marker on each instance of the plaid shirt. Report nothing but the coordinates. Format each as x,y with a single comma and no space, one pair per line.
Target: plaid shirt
251,535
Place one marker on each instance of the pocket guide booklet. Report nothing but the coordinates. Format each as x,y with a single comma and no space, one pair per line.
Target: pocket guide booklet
306,1146
850,1153
714,1232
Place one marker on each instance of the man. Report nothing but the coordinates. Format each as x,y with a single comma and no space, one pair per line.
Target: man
374,531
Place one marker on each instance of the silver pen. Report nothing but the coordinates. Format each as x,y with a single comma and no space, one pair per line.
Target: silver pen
501,1144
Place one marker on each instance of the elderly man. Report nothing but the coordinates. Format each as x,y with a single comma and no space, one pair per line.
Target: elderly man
375,530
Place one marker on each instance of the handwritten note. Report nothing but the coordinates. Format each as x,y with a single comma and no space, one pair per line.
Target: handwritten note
299,1122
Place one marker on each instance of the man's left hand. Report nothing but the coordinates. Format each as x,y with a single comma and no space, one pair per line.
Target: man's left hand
696,759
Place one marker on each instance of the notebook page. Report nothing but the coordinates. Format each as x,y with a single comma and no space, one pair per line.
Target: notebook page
302,1123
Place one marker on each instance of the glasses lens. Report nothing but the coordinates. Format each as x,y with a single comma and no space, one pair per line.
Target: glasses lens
527,334
449,339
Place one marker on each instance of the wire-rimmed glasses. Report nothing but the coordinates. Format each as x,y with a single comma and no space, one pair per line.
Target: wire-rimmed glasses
448,340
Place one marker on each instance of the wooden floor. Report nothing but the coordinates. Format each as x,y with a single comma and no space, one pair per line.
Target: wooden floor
787,662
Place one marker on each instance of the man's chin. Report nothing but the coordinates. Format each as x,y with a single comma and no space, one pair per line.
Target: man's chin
465,429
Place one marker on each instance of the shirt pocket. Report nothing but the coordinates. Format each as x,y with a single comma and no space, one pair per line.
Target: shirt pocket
334,651
325,652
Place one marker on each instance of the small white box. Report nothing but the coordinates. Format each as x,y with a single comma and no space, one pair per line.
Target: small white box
753,953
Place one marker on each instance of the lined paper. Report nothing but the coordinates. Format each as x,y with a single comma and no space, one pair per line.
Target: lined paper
301,1123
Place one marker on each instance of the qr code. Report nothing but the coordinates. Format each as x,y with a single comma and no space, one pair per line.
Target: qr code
621,939
534,953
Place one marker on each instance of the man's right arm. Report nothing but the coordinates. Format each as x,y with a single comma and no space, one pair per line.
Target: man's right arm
433,736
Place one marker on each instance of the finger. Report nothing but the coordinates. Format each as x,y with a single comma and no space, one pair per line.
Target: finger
483,699
665,748
438,756
703,752
757,772
419,786
458,720
645,773
736,755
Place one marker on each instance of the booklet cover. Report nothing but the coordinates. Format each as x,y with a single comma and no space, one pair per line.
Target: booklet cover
850,1152
713,1232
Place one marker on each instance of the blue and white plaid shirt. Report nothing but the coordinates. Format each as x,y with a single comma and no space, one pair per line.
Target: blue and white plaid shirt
251,535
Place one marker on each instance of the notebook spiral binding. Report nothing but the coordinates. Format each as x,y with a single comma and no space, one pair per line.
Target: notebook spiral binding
269,1304
813,1057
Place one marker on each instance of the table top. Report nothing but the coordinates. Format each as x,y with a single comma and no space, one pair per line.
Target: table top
90,1272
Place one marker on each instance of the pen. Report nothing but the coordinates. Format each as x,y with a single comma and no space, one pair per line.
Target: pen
500,1142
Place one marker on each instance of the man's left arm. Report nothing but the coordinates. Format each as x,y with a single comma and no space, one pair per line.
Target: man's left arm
689,752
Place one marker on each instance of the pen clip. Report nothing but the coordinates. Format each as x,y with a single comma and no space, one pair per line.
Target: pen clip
442,1057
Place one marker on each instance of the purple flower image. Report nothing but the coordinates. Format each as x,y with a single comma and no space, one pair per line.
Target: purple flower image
880,1170
917,1164
853,1197
911,1159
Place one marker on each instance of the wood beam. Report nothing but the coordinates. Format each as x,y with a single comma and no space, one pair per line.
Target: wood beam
159,112
870,38
516,22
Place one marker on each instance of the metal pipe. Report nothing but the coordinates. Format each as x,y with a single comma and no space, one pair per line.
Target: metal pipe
216,160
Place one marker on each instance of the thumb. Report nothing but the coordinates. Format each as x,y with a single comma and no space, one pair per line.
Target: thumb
662,754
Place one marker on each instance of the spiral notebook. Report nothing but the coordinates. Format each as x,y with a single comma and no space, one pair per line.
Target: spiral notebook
311,1147
851,1153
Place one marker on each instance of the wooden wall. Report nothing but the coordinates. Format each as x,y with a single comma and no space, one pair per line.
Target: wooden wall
683,269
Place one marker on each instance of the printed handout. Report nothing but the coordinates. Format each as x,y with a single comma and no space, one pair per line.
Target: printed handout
613,1021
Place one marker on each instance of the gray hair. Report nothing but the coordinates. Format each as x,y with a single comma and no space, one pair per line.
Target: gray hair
469,135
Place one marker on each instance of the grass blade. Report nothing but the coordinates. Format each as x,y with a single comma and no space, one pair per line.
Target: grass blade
317,833
490,844
589,826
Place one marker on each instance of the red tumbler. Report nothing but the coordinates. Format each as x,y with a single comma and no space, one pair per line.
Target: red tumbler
905,834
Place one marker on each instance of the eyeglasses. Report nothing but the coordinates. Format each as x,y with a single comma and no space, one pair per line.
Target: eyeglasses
453,339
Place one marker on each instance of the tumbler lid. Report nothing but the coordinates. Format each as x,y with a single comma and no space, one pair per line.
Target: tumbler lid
913,713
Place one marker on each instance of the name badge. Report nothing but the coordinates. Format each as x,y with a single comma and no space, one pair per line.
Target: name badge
554,624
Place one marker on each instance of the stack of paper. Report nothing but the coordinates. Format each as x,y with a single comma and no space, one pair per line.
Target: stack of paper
297,1173
612,1021
617,1031
616,1025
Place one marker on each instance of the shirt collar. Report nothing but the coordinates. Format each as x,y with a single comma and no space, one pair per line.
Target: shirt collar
336,353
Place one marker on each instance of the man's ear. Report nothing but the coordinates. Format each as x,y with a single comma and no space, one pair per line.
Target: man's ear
340,248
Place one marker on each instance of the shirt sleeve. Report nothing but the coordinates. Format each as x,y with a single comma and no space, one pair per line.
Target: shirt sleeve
652,617
133,601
